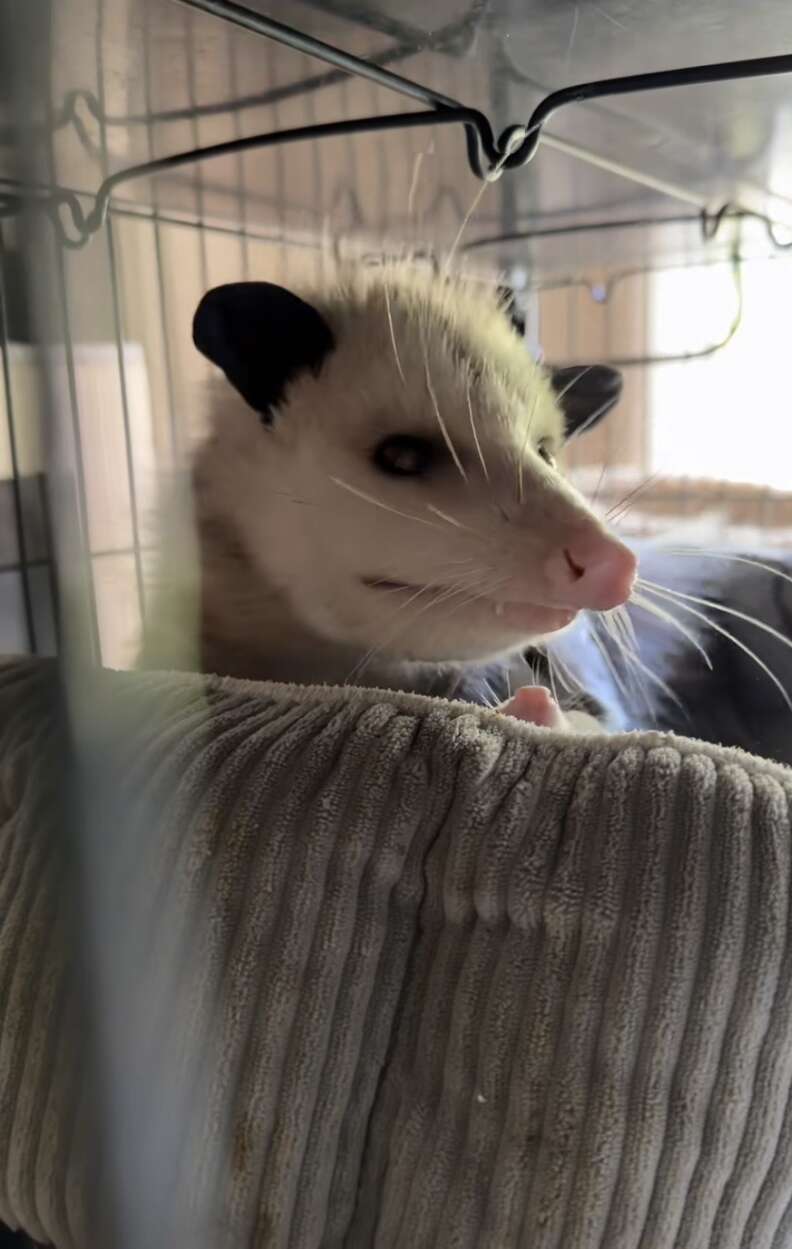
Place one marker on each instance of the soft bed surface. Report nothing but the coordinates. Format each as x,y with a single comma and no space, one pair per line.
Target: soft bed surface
379,971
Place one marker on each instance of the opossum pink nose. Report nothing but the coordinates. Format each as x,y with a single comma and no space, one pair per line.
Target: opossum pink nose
595,571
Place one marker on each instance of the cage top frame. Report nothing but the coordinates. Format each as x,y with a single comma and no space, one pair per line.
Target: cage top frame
489,155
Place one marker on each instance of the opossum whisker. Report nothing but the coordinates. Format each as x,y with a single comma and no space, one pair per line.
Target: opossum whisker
386,507
629,499
531,666
486,592
451,520
625,642
618,623
524,448
445,516
568,681
492,702
478,575
488,581
441,596
616,633
361,665
606,619
622,633
612,635
418,161
654,609
596,493
574,381
441,423
475,577
656,680
463,225
680,596
609,18
487,585
683,606
589,421
571,41
551,674
646,671
625,637
621,615
725,555
471,578
618,679
475,432
391,328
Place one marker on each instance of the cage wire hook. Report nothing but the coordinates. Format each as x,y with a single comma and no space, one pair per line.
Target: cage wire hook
86,224
606,290
709,223
702,353
694,75
602,293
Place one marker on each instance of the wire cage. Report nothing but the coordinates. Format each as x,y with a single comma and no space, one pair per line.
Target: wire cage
274,150
150,149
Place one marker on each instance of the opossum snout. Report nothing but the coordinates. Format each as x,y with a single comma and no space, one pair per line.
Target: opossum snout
592,570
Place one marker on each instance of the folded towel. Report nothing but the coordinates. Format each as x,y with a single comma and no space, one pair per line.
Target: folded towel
380,971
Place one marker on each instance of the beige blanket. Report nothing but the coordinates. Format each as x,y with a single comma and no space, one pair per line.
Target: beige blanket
380,972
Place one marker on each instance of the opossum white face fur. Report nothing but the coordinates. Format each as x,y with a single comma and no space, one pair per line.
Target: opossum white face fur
384,463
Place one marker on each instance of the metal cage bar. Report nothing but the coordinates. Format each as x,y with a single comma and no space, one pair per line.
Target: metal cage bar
62,290
162,304
16,487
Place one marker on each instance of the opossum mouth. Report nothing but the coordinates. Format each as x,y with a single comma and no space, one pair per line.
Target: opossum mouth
381,583
522,617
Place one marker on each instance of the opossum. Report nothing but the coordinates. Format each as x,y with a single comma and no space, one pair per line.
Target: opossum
380,500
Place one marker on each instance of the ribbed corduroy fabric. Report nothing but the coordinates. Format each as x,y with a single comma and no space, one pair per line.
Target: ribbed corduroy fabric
382,972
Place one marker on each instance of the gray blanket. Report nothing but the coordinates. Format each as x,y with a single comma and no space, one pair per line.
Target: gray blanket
383,972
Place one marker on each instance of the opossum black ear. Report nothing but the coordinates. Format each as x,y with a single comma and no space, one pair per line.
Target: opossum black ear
508,301
262,337
586,392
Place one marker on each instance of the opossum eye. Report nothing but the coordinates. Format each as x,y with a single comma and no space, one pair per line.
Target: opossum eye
545,452
402,455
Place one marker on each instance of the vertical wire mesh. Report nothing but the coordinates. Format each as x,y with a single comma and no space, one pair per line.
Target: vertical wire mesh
65,825
73,483
175,440
234,85
130,457
80,496
22,561
117,319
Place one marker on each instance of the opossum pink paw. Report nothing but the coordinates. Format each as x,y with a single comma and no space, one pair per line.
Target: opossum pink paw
535,705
